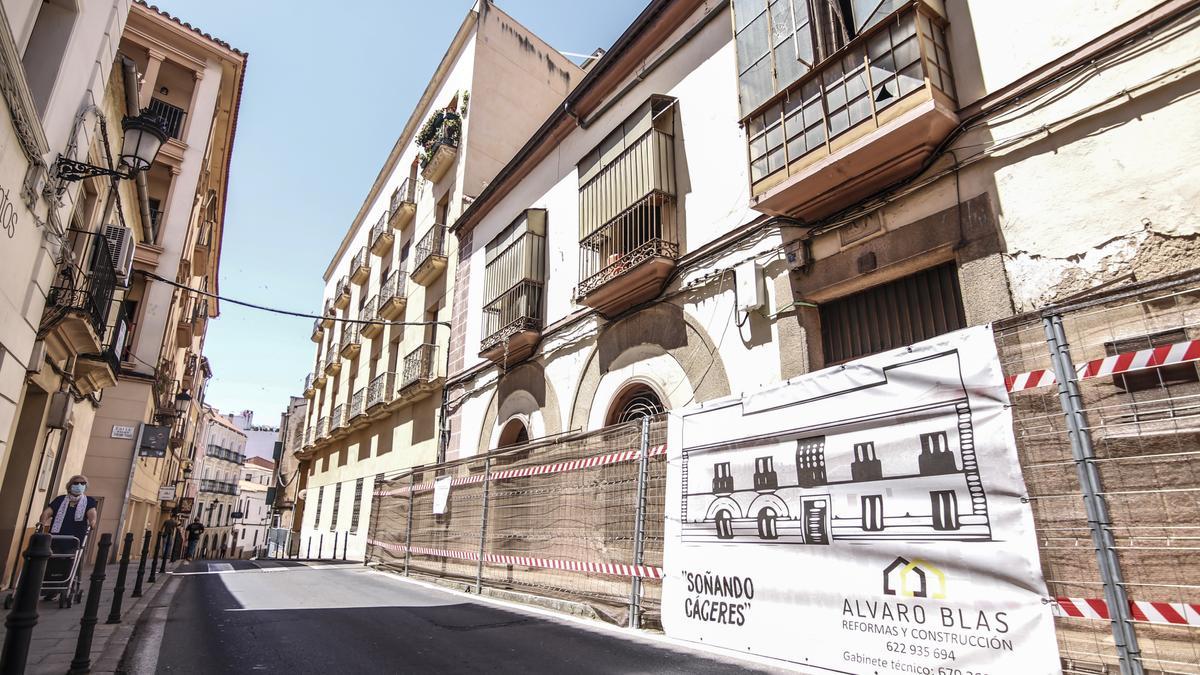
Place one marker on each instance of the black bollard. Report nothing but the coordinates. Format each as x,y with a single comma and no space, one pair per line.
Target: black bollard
168,540
114,612
308,551
19,624
154,560
345,545
141,573
82,663
321,546
335,540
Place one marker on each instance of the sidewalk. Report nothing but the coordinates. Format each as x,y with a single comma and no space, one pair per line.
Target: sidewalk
57,630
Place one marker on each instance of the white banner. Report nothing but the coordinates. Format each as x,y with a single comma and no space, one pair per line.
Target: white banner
866,518
441,494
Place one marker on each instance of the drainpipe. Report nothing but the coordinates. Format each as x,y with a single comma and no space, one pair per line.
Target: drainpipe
143,191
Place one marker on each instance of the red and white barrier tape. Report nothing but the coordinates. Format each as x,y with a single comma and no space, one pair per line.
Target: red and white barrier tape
558,467
1174,613
614,569
1180,352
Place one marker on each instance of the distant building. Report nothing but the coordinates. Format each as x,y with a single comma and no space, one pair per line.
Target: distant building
220,455
290,472
260,439
257,477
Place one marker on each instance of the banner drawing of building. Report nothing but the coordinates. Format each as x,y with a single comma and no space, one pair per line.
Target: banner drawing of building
875,455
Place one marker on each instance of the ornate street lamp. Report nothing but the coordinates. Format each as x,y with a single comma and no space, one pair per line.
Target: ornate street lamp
182,400
144,136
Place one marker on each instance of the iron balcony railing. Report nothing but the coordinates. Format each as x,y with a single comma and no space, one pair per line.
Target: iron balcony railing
518,309
433,243
308,381
343,286
379,229
357,402
310,436
319,369
218,486
393,287
225,454
369,311
88,291
351,335
360,260
405,194
318,329
420,365
332,355
381,389
886,63
339,416
323,427
172,116
627,211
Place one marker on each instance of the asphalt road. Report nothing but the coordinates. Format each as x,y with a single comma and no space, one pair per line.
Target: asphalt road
288,618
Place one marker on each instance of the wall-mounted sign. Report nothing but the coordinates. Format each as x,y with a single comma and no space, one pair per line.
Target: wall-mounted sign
166,493
185,504
441,494
236,515
154,440
121,431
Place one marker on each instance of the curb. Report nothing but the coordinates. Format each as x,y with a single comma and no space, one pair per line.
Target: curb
118,643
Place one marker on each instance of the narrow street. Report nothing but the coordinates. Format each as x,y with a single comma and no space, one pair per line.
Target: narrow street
283,617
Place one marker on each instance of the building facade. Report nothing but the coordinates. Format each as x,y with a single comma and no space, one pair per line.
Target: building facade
213,488
381,348
64,248
193,82
257,477
291,473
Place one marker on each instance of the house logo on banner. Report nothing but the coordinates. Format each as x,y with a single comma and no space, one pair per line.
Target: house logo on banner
826,521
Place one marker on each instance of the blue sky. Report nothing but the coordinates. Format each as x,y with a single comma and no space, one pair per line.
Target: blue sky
328,89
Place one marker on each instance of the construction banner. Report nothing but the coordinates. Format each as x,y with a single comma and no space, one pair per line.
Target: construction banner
868,517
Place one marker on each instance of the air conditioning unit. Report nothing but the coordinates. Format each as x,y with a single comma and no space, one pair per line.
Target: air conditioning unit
121,246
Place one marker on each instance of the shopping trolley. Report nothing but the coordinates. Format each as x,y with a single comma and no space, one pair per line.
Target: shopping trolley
63,571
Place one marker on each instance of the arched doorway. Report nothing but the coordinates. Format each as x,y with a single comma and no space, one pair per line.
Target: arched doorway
724,524
638,400
514,433
768,523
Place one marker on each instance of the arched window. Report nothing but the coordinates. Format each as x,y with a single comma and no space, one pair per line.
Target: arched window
514,433
767,523
637,401
724,524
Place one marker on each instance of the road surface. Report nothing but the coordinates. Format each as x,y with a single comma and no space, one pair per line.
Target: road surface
273,617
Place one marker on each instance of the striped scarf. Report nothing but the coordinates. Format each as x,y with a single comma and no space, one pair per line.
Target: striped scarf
61,515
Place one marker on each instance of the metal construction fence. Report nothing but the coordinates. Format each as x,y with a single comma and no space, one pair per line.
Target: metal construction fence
1105,397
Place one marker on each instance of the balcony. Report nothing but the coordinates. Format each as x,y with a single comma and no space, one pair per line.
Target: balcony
341,296
381,392
322,428
333,360
172,116
360,267
628,233
404,204
431,256
381,237
351,341
327,317
393,296
78,303
512,324
319,374
337,421
218,487
420,375
318,331
310,390
192,322
370,312
356,414
438,152
202,251
225,455
94,372
310,436
859,121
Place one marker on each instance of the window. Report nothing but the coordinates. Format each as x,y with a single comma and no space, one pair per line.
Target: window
724,523
779,41
46,48
255,542
636,402
317,511
515,271
810,461
337,503
872,513
765,477
936,456
358,492
892,315
945,509
767,523
866,465
220,510
722,479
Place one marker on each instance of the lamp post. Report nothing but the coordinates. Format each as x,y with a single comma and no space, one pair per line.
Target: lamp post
144,136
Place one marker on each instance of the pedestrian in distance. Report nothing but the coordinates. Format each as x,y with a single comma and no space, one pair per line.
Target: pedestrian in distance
194,531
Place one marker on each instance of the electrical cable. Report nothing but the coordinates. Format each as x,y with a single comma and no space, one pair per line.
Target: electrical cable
285,312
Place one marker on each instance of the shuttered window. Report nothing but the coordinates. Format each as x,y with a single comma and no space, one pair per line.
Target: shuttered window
892,315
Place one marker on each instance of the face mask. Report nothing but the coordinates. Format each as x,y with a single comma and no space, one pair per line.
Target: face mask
78,489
